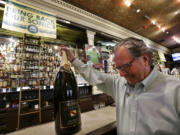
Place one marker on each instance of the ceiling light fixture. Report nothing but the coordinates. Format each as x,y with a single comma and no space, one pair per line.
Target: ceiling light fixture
153,22
128,2
138,10
176,39
176,12
159,26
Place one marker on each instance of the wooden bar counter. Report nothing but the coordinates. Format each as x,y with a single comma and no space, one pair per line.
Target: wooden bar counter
94,122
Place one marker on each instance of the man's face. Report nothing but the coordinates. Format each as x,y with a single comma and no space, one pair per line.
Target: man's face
133,69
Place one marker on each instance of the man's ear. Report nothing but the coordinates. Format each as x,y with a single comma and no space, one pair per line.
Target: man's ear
145,59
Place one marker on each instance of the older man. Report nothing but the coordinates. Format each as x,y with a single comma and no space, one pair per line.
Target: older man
147,101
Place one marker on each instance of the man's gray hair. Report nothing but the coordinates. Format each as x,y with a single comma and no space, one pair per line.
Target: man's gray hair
136,47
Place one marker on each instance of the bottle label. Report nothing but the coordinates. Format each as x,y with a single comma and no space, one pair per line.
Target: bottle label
69,113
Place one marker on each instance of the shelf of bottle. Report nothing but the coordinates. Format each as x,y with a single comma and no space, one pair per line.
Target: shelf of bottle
48,55
25,70
16,77
40,78
9,71
31,52
24,78
84,84
4,79
31,44
36,60
48,60
28,88
25,88
10,52
30,100
7,109
11,63
51,106
32,60
31,87
8,90
31,78
4,90
33,71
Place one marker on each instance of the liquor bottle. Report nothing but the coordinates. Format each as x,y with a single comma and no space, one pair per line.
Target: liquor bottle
66,107
105,66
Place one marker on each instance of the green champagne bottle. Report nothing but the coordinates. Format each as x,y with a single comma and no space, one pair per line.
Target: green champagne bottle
66,106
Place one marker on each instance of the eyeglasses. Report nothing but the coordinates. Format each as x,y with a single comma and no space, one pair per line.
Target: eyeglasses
126,67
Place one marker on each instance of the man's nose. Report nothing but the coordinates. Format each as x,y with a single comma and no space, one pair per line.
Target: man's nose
122,73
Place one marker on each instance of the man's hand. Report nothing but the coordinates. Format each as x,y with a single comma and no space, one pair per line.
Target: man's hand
69,53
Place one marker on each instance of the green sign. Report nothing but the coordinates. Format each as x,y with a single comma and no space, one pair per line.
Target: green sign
23,18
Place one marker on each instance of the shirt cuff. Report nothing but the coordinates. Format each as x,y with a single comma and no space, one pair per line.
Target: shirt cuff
77,63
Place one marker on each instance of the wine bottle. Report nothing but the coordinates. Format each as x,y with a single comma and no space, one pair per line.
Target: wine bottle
66,107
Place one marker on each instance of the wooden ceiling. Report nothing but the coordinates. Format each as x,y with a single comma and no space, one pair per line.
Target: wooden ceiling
165,12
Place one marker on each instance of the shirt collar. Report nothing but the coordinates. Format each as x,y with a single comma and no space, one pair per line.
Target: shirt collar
148,80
